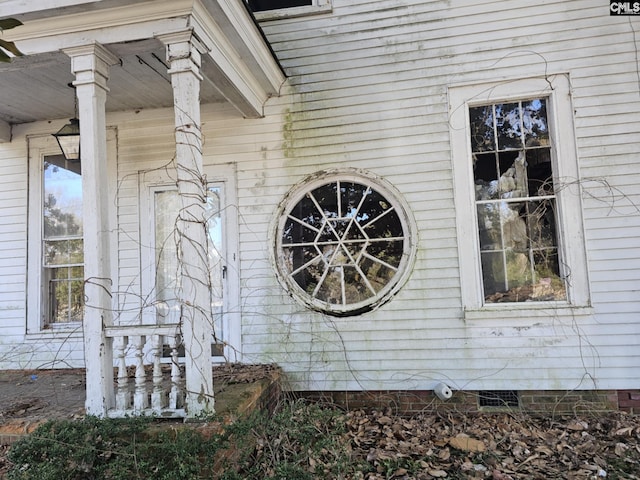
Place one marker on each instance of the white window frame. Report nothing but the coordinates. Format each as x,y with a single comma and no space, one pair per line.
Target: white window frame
570,228
318,7
223,176
40,146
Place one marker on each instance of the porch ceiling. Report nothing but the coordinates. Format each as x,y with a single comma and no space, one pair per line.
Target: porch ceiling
37,87
239,68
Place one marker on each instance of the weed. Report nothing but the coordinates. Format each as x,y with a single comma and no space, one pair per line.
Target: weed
301,441
109,449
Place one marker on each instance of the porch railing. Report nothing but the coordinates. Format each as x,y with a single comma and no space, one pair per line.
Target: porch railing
148,377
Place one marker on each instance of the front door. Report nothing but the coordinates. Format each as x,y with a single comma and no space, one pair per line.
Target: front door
164,284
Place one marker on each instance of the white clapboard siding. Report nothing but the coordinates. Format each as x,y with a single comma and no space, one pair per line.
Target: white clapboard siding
368,86
14,351
367,89
13,253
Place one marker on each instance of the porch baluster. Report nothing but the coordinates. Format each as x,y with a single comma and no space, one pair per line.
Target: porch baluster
158,394
123,397
175,395
140,399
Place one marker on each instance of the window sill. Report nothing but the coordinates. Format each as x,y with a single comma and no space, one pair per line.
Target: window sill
292,12
526,310
63,330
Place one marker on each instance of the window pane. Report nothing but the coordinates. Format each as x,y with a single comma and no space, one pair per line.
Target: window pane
382,266
356,288
485,172
548,283
66,294
518,274
306,211
213,217
63,252
386,225
534,119
489,228
514,226
542,224
351,196
330,287
508,126
62,198
493,278
513,175
326,197
306,266
296,232
539,172
482,132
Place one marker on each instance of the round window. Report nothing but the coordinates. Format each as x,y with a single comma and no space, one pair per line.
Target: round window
343,243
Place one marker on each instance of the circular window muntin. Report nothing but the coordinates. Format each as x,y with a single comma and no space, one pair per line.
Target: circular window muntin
405,259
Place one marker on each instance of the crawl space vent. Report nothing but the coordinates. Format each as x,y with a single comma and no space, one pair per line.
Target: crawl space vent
498,398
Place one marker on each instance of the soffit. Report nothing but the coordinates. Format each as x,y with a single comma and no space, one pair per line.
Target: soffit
36,86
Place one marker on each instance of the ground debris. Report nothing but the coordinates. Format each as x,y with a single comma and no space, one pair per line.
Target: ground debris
497,446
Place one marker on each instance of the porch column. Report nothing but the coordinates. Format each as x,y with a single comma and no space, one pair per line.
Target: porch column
90,65
183,55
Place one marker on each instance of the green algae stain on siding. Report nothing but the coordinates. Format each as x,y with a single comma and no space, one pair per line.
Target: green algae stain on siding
287,134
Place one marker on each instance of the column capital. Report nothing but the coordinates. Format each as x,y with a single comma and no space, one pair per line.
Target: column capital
90,64
184,52
183,36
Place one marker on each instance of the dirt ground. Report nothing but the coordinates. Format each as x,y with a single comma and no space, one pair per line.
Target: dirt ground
30,397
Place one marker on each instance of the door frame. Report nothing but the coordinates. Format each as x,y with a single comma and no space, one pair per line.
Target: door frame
223,176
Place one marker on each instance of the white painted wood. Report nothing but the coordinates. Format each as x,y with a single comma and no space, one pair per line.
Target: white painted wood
367,88
195,304
570,228
239,68
16,7
158,393
5,132
90,65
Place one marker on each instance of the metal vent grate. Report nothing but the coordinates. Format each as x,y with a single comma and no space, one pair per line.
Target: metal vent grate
498,398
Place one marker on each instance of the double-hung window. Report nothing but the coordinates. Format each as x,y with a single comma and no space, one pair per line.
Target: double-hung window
515,202
518,207
55,277
62,242
56,248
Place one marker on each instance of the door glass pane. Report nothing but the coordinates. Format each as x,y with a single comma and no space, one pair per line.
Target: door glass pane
213,216
167,205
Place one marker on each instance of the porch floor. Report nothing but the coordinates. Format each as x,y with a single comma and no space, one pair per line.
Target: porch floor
29,398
